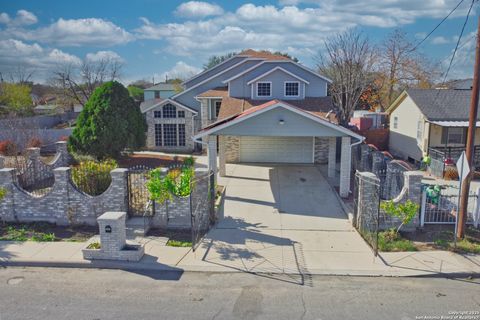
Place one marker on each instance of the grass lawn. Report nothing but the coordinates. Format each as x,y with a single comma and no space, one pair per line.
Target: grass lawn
390,241
44,232
177,243
470,244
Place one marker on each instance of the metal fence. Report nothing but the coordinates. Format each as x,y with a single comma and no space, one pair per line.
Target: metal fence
34,177
440,205
139,204
202,209
366,211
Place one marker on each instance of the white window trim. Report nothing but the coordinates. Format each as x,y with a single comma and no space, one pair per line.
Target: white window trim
256,87
285,89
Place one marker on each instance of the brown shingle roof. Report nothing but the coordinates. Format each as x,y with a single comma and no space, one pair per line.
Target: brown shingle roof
319,106
216,92
262,54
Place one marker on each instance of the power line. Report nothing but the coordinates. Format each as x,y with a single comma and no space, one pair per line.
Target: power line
438,25
458,42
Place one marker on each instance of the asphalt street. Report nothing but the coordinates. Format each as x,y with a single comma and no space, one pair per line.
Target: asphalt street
52,293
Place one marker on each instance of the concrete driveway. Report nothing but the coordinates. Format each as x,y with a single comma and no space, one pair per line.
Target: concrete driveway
283,219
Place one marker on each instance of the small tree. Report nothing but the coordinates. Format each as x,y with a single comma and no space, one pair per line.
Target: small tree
17,98
135,92
404,211
109,123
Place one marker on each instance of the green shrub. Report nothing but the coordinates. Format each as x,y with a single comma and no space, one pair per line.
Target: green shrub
177,243
109,123
190,161
404,211
93,177
391,240
177,182
94,245
3,193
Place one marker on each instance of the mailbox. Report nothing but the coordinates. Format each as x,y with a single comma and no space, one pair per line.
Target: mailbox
108,229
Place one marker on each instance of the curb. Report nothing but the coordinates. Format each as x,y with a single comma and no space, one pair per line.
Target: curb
132,267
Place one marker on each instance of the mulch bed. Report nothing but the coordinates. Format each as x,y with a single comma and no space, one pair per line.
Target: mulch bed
148,160
179,235
77,233
425,239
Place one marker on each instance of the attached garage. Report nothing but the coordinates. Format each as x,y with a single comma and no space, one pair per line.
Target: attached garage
276,149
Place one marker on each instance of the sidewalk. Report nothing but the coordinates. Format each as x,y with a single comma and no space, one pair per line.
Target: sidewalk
158,256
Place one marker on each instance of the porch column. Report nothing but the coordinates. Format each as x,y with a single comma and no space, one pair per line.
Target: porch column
212,154
221,156
332,156
345,167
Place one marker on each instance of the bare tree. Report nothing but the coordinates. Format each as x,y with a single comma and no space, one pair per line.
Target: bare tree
348,61
402,66
77,82
18,74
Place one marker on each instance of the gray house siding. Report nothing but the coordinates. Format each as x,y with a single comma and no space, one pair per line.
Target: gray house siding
317,87
213,71
267,124
188,97
164,94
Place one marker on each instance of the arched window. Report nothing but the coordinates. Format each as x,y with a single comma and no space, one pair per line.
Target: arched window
169,111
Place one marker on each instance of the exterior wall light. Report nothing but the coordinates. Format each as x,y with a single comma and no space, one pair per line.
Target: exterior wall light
281,122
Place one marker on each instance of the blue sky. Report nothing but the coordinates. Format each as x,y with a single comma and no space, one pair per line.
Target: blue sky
155,38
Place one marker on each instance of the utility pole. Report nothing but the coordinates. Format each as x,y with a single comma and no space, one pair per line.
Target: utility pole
472,121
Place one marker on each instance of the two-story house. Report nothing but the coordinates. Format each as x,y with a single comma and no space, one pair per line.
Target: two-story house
259,107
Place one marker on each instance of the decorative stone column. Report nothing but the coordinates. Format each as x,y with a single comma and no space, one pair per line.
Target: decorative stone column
60,202
332,156
364,158
34,157
345,167
212,154
222,156
2,162
119,188
64,159
367,191
7,212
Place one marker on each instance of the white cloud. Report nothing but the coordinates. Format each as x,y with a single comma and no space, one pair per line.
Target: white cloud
440,40
201,9
75,32
104,55
23,18
14,53
301,29
180,70
463,62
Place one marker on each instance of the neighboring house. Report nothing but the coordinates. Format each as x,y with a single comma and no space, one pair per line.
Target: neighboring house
47,109
159,91
430,121
259,107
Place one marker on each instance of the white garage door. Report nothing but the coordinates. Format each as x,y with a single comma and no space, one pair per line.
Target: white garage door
276,149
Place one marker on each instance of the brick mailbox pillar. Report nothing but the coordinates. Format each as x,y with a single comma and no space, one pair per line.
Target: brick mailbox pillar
113,235
113,240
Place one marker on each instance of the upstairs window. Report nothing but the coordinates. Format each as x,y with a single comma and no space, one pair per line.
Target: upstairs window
157,114
181,114
157,94
292,89
218,104
169,111
264,89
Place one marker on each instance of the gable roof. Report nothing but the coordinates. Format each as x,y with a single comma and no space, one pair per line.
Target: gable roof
277,69
283,61
162,87
219,92
153,103
269,105
320,106
439,104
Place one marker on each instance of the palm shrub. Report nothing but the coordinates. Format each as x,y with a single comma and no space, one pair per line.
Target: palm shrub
404,211
93,177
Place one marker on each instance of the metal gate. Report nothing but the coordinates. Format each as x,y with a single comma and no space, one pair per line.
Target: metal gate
139,204
440,205
202,206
